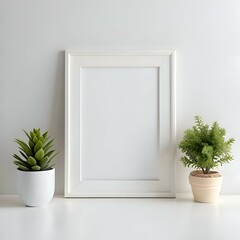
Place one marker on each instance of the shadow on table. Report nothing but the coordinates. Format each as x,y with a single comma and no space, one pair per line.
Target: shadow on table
10,201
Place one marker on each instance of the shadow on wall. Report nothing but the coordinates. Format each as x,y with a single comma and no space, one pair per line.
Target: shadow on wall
57,120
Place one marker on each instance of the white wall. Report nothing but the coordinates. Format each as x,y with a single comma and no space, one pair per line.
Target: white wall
34,34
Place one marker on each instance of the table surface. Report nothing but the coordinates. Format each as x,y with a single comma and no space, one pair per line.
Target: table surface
121,218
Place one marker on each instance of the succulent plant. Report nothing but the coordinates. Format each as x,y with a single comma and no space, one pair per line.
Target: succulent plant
37,154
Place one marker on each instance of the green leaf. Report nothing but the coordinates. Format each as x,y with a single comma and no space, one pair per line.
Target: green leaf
53,156
29,137
32,135
50,166
23,154
47,167
17,157
31,161
44,161
48,145
45,135
23,168
38,146
35,139
38,133
24,147
31,144
22,163
48,154
36,168
39,154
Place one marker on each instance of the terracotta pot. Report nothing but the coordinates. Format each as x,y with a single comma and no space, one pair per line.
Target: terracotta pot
36,188
205,187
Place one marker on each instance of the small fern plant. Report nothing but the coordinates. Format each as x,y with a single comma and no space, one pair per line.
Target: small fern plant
37,154
205,147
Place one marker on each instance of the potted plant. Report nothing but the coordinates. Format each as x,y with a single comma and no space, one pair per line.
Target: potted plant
205,148
35,172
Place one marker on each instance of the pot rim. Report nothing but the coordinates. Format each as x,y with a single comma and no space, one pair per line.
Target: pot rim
37,172
202,175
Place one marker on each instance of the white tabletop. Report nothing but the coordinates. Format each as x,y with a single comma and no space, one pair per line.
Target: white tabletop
121,218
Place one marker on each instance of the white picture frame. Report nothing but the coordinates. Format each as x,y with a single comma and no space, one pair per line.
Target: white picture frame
120,123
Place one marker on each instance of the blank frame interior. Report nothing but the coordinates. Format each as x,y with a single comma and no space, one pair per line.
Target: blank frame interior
120,124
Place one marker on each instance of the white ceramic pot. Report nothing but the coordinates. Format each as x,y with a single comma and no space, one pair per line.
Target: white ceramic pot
36,189
205,189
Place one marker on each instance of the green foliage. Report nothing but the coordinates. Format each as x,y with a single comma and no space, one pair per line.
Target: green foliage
205,147
37,154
